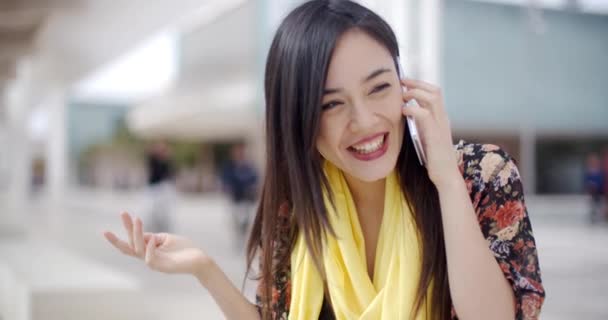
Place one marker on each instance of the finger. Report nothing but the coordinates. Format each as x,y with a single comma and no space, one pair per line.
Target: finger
147,236
430,125
419,114
424,98
150,251
423,117
128,223
430,101
119,244
159,238
138,238
418,84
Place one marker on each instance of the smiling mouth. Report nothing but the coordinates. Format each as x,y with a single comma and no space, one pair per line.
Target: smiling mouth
370,146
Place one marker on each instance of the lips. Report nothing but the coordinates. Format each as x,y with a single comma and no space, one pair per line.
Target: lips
369,145
370,148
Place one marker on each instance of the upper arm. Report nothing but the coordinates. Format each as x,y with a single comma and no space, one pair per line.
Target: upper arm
498,197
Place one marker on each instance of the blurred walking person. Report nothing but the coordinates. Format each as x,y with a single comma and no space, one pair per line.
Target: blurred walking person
239,178
161,190
594,185
604,169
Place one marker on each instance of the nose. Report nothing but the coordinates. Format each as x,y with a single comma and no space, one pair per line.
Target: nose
362,117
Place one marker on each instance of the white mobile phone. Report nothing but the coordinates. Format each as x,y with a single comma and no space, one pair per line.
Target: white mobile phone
412,124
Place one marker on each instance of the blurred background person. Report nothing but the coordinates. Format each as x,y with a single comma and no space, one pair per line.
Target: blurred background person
160,190
594,185
604,164
239,180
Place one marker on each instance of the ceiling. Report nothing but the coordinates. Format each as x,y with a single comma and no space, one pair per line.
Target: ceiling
66,40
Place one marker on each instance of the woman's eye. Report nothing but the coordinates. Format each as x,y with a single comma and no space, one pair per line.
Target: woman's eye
380,88
331,105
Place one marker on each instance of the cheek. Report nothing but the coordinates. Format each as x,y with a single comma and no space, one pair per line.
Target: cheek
391,108
325,140
322,146
397,114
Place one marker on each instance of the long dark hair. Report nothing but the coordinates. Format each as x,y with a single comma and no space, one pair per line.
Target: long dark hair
296,71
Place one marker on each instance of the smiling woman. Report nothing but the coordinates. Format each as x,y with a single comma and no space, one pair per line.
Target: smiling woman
344,188
350,225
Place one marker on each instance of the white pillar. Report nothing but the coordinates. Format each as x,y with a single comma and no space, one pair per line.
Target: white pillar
56,145
399,18
429,37
18,151
527,165
4,141
417,26
396,13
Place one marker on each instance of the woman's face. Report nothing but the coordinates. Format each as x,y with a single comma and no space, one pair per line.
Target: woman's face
361,122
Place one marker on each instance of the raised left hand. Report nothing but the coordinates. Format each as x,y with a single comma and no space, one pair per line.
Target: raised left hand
164,252
434,128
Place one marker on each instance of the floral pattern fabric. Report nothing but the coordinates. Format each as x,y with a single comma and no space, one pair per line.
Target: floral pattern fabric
496,191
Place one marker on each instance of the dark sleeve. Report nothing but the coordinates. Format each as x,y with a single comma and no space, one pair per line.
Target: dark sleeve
171,169
498,197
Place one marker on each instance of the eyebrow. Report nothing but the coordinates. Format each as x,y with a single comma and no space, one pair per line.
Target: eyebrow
366,79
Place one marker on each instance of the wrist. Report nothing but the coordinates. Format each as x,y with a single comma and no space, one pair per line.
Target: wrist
450,181
204,268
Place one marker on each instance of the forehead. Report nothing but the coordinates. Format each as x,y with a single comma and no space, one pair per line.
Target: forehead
356,55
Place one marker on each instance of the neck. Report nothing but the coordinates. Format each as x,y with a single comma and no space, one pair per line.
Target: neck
368,196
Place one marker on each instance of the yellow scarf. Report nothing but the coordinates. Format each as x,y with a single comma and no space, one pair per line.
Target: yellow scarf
354,295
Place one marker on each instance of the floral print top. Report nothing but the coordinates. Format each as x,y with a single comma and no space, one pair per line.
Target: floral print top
496,191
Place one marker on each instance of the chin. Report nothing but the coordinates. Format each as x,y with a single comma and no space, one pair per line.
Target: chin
373,171
372,175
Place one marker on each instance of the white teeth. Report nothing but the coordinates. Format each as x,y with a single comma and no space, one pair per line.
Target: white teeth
370,146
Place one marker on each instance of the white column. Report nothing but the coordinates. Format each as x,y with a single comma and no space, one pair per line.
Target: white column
429,36
399,19
56,145
399,14
18,150
4,141
527,165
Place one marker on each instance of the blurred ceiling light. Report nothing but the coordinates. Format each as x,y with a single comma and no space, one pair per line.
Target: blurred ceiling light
148,70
